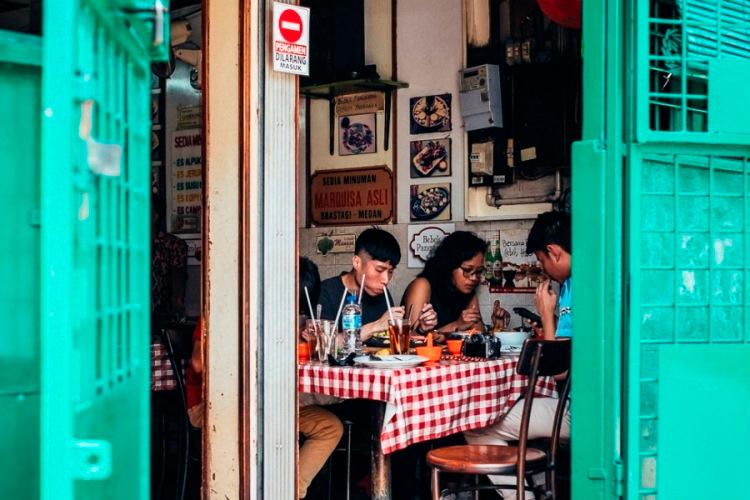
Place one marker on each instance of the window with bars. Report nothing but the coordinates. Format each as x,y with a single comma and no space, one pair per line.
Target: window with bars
698,53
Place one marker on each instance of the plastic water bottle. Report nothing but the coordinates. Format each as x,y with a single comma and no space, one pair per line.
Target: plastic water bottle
351,321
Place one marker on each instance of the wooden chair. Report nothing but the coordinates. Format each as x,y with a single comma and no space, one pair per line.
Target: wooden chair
539,358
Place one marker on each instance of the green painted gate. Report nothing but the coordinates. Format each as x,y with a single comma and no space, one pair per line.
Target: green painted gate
75,259
662,251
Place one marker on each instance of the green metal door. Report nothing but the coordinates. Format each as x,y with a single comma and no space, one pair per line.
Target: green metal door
20,87
661,211
688,249
95,254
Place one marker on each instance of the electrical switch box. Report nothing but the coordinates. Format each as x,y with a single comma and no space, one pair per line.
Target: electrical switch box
480,97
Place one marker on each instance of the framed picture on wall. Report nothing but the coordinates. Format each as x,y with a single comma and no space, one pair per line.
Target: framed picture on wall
430,113
357,134
429,202
430,158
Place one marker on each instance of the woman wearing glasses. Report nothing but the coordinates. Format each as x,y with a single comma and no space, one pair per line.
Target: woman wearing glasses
449,282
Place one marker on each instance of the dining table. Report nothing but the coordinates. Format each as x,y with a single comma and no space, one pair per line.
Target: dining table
424,402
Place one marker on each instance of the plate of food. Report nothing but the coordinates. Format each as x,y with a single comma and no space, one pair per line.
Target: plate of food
396,361
429,203
432,155
357,137
431,112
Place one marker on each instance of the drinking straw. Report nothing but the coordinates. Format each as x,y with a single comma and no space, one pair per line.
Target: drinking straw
361,289
312,316
388,303
408,313
341,306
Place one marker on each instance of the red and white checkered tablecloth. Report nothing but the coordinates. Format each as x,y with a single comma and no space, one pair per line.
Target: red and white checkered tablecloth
427,402
162,374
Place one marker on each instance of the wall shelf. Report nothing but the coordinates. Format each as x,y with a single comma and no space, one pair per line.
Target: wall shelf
329,91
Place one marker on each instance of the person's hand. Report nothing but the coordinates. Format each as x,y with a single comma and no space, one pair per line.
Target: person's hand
538,331
500,317
469,316
397,312
427,320
546,301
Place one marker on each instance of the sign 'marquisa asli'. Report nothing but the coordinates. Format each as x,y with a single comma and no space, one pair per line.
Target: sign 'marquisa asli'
351,196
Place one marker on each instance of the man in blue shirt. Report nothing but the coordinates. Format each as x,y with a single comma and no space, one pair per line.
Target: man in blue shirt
549,240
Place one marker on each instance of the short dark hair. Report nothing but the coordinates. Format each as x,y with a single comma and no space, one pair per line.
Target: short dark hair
379,244
308,277
550,228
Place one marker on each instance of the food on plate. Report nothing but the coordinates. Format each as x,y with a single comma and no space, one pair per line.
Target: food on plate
429,203
383,352
357,137
431,112
431,155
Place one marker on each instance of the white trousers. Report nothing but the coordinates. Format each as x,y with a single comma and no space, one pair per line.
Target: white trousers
509,427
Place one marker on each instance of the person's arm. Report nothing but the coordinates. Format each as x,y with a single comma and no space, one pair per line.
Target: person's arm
470,317
417,296
196,359
546,301
380,324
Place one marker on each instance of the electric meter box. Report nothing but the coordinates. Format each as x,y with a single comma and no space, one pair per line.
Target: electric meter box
480,97
481,158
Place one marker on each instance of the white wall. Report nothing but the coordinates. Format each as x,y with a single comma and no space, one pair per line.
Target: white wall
429,58
429,48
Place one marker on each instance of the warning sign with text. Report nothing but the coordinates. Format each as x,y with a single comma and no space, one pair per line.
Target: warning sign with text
351,196
291,39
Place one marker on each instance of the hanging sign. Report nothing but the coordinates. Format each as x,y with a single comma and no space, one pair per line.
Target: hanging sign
357,104
423,239
351,196
335,243
291,39
186,183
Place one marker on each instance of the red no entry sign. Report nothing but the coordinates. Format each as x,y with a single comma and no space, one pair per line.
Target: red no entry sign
291,38
290,25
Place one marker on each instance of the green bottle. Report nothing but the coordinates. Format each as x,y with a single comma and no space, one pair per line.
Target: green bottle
489,259
497,263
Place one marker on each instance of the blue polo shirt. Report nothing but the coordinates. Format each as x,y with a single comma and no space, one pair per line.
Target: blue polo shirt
565,314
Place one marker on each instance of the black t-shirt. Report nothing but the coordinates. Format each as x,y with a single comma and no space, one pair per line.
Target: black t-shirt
331,291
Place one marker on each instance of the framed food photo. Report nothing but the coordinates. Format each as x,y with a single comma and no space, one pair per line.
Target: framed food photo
430,202
430,158
357,134
430,113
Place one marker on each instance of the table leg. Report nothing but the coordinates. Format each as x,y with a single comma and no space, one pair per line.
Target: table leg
381,463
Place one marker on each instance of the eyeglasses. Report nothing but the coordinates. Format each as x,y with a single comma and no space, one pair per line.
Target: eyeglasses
476,273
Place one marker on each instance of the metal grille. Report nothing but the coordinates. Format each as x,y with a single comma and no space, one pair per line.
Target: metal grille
111,256
684,36
694,273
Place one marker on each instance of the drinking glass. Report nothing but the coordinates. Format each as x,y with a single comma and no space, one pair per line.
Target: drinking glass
326,339
398,331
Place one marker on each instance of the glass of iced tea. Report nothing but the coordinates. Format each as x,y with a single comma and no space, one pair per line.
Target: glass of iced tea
398,331
311,335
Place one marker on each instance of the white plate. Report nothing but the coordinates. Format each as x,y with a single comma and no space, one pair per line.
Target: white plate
397,361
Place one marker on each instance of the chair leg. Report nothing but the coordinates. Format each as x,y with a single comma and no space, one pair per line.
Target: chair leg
329,463
348,460
552,486
476,484
435,484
